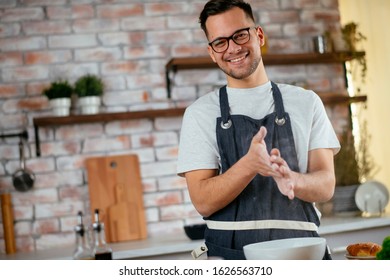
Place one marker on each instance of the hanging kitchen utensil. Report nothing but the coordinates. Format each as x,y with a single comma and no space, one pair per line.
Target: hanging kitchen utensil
23,179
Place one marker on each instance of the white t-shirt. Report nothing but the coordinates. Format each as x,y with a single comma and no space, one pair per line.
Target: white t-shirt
198,148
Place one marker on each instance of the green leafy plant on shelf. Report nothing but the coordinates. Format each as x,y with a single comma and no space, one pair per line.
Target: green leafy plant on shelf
352,36
89,85
58,89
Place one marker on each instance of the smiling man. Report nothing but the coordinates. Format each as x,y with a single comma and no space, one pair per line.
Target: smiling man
256,155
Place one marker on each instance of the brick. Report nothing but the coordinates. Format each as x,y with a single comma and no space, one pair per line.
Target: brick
95,25
45,226
36,88
172,183
68,163
154,139
25,73
8,4
48,241
183,93
11,59
165,228
145,80
46,27
153,9
139,23
162,198
80,11
119,10
11,90
166,124
299,4
185,21
60,148
185,50
135,38
174,212
73,132
158,169
124,97
73,71
67,224
22,44
36,197
14,121
194,77
320,15
152,215
30,104
22,14
25,244
128,127
101,144
68,208
72,41
59,178
166,153
273,17
23,212
123,67
48,57
153,51
166,37
149,185
9,30
98,54
74,193
113,83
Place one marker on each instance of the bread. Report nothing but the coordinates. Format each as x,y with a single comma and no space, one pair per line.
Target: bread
363,249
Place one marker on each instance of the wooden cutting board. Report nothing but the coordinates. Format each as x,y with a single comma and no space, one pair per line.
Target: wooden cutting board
115,187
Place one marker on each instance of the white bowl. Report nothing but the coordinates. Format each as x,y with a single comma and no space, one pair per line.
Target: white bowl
301,248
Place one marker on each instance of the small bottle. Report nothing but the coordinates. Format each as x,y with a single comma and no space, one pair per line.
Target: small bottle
101,250
83,250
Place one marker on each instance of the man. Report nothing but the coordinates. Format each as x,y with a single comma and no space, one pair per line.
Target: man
256,156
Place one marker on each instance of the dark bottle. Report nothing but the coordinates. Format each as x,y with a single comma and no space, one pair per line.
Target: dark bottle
82,249
101,250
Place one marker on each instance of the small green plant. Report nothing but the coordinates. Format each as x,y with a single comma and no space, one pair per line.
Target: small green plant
58,89
89,85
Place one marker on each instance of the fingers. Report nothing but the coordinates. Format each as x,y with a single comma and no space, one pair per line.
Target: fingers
260,135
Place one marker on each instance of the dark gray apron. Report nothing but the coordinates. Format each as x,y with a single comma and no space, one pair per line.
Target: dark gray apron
261,199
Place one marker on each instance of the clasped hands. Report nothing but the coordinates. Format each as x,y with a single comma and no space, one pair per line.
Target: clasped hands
271,164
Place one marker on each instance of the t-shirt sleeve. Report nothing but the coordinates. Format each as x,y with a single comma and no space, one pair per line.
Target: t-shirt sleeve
322,132
196,150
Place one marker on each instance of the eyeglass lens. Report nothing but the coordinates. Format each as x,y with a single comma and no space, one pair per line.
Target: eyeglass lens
240,37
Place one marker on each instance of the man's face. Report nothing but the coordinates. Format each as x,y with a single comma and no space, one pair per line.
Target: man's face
238,61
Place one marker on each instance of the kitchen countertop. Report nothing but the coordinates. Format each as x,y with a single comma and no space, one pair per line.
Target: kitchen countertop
176,245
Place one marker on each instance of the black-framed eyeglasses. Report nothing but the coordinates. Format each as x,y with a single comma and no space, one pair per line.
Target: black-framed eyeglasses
239,37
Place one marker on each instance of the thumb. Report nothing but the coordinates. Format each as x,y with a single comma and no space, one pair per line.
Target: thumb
260,135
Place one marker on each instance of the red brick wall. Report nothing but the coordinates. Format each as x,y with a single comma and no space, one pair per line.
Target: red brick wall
127,43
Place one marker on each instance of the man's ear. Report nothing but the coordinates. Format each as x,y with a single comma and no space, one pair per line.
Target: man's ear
211,53
260,35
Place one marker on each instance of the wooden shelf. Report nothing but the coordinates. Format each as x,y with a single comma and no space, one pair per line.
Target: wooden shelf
102,117
205,62
330,98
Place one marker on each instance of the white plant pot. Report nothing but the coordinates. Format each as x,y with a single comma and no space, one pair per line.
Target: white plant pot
60,106
89,104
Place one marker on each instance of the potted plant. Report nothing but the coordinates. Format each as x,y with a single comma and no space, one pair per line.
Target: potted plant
59,94
353,166
89,89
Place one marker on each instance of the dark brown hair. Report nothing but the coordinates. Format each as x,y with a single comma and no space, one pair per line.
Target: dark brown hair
215,7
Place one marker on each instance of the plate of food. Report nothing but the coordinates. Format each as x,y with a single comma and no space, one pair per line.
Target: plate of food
372,197
363,251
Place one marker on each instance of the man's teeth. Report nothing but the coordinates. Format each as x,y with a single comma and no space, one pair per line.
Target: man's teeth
237,59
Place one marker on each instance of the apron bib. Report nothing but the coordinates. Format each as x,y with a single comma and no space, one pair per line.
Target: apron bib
260,212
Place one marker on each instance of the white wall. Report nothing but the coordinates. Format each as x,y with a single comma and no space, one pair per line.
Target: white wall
373,18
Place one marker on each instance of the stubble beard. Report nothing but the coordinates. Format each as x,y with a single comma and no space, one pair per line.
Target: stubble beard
244,73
